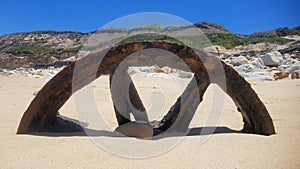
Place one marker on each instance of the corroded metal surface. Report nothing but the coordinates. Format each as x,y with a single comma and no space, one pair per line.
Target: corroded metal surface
42,111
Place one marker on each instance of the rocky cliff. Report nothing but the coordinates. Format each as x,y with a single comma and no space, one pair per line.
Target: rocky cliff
32,49
28,49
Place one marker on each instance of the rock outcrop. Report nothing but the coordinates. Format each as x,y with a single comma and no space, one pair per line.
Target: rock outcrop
40,47
44,47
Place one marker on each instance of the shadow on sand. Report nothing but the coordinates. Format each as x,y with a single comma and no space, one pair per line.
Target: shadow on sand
104,133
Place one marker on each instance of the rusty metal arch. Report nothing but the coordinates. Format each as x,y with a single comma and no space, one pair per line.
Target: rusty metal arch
43,110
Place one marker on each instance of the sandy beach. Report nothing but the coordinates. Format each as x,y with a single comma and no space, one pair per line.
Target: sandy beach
223,149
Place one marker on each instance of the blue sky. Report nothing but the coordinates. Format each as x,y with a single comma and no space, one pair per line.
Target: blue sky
239,16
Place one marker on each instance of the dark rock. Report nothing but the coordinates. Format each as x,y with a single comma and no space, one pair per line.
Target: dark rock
293,48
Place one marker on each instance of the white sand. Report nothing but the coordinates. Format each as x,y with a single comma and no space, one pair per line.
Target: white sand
225,150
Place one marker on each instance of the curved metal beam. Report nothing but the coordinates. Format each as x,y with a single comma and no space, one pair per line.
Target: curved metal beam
42,111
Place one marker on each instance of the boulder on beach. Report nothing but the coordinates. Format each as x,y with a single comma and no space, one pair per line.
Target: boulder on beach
136,129
133,70
167,69
240,60
258,76
183,74
295,75
281,75
272,58
245,68
258,63
292,68
6,72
